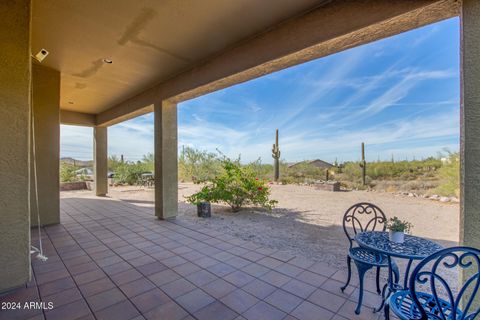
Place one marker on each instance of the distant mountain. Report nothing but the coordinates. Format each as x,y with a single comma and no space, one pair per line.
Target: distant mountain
77,163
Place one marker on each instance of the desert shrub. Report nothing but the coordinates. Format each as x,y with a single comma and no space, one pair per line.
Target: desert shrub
197,166
67,172
129,172
236,186
148,161
449,175
113,163
261,171
206,194
303,172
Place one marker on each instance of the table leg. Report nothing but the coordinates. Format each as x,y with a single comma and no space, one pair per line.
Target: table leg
407,273
389,286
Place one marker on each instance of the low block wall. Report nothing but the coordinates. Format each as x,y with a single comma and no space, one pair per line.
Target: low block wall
68,186
335,186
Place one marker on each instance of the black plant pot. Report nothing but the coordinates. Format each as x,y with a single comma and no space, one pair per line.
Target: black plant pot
204,210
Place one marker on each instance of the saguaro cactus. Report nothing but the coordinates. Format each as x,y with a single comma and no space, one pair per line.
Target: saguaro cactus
276,157
363,165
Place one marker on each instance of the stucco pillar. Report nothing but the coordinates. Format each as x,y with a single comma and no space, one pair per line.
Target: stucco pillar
15,78
470,125
100,159
46,131
166,166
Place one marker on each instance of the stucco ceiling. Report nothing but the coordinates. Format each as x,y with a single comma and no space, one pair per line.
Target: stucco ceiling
148,41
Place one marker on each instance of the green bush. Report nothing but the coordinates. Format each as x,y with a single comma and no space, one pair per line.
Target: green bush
148,161
236,186
67,172
129,172
206,194
197,166
113,163
449,175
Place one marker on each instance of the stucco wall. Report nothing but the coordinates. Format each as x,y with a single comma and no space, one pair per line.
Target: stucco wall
14,143
46,104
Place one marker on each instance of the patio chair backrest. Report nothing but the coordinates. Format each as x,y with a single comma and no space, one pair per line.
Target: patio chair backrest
361,217
433,276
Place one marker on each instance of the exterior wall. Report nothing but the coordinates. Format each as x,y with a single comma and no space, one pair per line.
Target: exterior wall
470,125
46,106
166,162
14,143
100,157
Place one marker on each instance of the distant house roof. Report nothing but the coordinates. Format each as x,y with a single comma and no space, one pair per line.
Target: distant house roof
317,163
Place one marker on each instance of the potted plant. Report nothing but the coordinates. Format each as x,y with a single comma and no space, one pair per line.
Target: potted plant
397,229
202,200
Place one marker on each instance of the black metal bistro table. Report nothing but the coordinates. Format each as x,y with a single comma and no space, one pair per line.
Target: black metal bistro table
413,248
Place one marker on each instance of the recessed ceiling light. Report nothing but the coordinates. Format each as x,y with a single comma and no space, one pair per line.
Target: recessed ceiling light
106,60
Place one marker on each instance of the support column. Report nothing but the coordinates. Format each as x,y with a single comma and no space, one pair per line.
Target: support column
14,143
166,162
470,126
46,131
100,158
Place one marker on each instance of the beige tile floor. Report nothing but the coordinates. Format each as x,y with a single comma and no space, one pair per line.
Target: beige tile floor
109,259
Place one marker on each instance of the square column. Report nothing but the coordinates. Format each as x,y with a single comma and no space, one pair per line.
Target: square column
15,92
166,160
470,127
100,159
46,141
470,124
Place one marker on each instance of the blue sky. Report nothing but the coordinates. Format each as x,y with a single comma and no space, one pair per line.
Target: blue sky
400,96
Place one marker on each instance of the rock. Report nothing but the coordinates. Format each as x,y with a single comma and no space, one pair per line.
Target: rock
454,199
410,194
434,197
444,199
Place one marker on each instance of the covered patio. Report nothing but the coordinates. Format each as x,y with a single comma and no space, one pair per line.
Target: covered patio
109,259
107,64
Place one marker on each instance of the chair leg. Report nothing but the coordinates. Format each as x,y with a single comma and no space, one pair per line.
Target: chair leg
362,269
349,265
378,281
386,310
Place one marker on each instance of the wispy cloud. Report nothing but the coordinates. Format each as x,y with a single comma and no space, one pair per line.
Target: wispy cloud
76,142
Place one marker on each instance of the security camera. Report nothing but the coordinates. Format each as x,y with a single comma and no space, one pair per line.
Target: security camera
42,54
